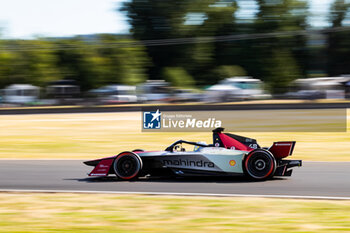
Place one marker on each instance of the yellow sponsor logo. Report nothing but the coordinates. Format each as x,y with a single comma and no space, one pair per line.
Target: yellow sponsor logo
232,163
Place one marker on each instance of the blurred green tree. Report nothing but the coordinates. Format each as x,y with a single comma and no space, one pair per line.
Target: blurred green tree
97,63
178,77
77,61
223,72
280,70
28,62
338,49
209,58
121,65
7,60
159,19
165,19
91,63
286,51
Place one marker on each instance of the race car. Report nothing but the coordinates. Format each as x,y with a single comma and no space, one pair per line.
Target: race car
228,155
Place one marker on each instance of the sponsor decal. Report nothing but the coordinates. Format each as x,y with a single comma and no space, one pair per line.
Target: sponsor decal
97,174
253,146
187,163
102,170
232,163
283,144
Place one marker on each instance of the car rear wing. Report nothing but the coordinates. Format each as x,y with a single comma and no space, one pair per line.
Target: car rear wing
282,149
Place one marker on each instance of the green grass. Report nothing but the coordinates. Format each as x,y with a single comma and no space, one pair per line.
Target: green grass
112,213
86,136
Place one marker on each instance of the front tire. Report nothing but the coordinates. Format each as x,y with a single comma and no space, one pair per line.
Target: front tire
260,164
127,165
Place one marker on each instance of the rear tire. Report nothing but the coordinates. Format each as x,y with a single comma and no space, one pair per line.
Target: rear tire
127,165
260,164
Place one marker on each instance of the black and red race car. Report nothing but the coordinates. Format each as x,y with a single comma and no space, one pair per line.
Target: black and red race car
228,155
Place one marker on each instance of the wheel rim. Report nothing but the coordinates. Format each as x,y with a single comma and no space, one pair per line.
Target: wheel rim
260,165
127,166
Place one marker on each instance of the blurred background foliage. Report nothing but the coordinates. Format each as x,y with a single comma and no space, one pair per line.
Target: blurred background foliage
94,61
179,77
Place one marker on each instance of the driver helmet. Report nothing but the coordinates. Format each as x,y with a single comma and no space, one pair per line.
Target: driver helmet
198,148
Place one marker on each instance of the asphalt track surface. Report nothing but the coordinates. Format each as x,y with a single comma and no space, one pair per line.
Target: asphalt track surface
330,180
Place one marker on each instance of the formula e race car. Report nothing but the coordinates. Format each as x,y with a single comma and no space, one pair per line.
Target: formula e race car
229,155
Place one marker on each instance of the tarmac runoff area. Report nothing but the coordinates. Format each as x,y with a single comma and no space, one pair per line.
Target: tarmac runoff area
314,180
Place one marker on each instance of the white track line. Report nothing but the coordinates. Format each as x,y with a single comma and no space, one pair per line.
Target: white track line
175,194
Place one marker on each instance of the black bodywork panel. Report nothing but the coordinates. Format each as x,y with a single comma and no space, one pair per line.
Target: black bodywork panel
244,140
283,167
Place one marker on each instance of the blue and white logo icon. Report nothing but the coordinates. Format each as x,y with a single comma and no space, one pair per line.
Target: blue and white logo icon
151,120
